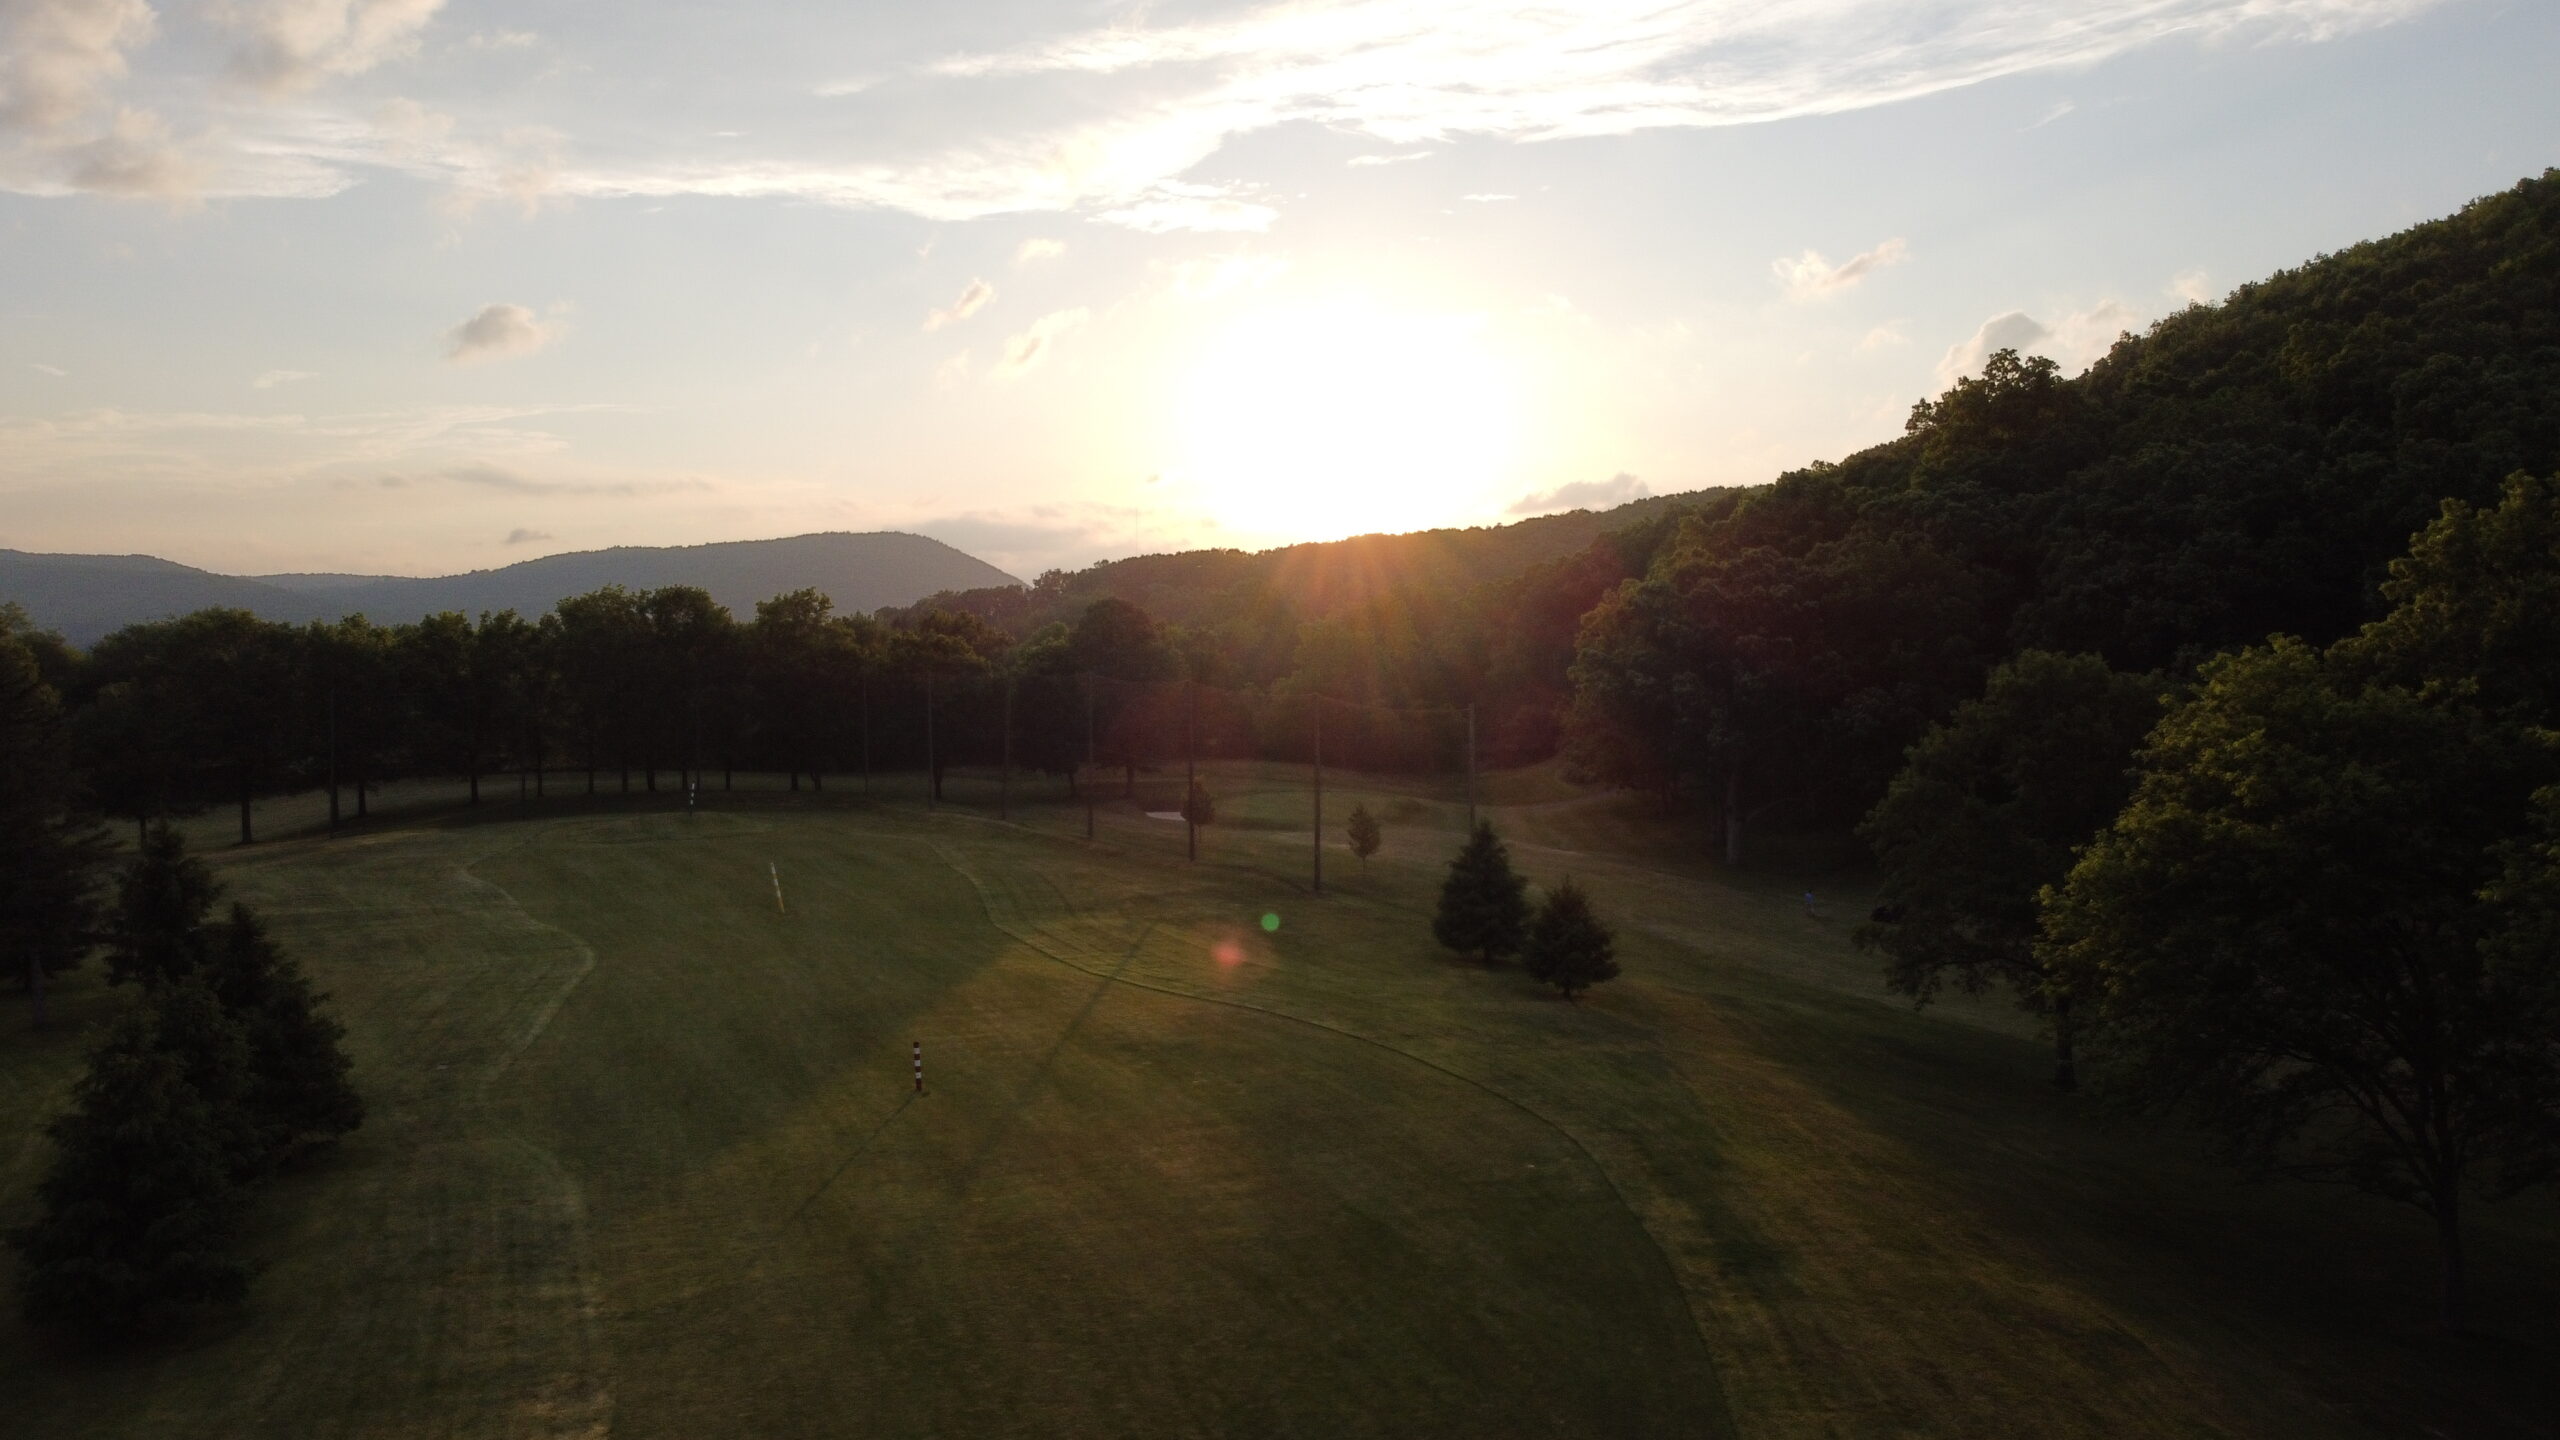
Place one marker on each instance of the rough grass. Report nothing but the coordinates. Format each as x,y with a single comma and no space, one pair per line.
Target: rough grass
644,1156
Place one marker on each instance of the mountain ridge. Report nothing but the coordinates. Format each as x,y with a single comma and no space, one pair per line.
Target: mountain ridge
88,596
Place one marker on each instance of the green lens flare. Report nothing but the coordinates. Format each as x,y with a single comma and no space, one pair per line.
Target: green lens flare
1270,921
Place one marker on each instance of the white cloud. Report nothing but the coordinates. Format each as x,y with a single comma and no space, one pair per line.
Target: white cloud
55,371
1037,249
1883,337
1809,276
1211,276
1026,351
2192,287
59,57
274,378
1403,72
1618,489
1169,208
497,331
2059,110
503,40
1357,161
522,536
976,296
287,45
2016,330
2077,339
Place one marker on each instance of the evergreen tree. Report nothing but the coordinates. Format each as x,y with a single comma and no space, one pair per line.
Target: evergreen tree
162,902
298,1085
51,855
1569,947
135,1226
1482,908
1365,835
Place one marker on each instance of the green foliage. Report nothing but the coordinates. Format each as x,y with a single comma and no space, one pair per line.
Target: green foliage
1568,946
1483,909
298,1088
136,1218
1364,832
1988,812
51,854
2288,935
1198,807
163,899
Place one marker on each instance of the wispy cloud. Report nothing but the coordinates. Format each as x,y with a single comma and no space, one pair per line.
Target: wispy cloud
273,378
1037,249
1809,276
1887,336
496,332
40,367
1026,351
974,297
1358,161
285,45
522,536
1618,489
2191,286
1163,98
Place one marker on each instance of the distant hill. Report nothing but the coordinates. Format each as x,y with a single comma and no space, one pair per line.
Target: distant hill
86,596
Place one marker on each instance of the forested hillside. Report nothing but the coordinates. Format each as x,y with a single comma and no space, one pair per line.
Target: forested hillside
2244,469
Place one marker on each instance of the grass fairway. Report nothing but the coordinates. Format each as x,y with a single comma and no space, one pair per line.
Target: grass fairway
645,1160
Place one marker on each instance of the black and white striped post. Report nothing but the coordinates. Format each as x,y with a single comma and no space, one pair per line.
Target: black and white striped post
919,1067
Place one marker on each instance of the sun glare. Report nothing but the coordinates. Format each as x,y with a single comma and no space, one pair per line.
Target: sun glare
1312,423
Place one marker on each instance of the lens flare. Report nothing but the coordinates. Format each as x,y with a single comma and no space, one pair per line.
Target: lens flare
1270,921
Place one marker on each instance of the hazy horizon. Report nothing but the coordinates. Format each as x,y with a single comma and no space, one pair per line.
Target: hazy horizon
406,287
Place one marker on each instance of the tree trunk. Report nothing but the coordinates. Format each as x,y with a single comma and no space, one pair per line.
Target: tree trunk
245,836
35,988
2448,1208
795,782
2066,1069
1733,817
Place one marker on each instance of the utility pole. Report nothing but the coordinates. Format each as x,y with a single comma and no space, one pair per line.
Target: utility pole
1088,753
1471,769
1319,887
1004,766
932,777
866,732
1191,776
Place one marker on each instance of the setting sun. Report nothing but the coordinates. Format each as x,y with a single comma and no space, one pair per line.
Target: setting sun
1339,419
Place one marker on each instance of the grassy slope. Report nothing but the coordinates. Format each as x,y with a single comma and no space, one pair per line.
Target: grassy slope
643,1156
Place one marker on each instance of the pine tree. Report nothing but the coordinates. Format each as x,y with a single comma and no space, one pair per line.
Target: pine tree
1482,908
1569,947
163,900
135,1226
1365,835
51,854
298,1086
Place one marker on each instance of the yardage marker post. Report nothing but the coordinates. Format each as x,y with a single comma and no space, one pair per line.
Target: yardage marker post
1319,835
919,1067
776,872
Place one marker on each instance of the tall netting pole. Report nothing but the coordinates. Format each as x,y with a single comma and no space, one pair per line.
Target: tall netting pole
1088,754
1319,826
866,733
1191,778
1471,769
932,787
1004,765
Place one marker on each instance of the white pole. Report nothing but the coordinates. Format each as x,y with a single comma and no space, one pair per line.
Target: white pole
777,887
919,1067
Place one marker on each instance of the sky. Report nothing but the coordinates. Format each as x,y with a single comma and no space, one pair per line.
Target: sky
422,286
